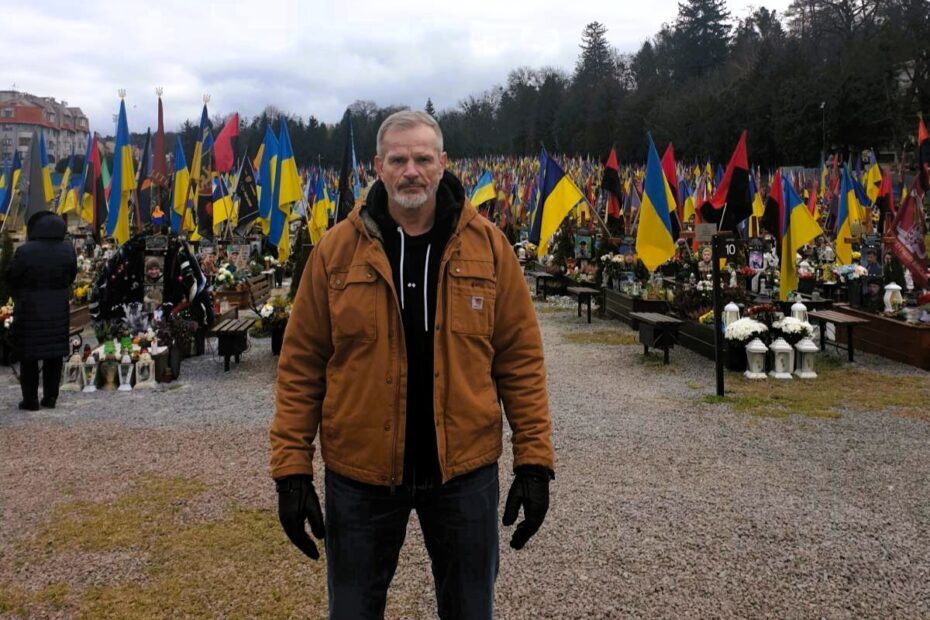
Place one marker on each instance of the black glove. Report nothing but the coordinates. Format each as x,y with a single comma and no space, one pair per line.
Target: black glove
530,489
298,502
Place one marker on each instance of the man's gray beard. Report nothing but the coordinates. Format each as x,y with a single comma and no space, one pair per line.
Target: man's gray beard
410,203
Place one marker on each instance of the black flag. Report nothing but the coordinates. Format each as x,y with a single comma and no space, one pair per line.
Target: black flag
248,197
346,196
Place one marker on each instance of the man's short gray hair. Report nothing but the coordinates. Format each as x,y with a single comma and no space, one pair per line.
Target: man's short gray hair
407,119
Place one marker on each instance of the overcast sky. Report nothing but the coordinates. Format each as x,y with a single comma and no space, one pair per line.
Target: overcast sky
302,57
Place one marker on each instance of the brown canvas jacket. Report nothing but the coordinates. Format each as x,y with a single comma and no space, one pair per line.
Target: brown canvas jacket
342,367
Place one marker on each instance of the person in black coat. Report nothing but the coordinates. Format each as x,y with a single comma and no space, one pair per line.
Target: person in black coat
40,277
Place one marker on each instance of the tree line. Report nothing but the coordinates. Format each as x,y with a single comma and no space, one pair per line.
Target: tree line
834,75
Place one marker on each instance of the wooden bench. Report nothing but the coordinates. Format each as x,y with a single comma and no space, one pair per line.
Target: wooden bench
232,336
544,278
656,330
840,320
583,293
200,335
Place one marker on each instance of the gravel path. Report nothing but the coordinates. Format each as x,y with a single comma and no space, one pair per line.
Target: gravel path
663,506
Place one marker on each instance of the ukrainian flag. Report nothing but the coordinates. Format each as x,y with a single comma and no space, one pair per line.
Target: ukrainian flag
222,205
484,190
122,182
798,229
557,197
847,218
65,203
202,146
46,170
322,205
182,183
873,179
287,191
266,171
654,241
9,184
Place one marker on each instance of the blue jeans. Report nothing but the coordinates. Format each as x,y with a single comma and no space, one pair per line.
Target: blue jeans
365,529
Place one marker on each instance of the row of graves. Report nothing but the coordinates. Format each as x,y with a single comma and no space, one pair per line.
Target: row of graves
871,305
155,300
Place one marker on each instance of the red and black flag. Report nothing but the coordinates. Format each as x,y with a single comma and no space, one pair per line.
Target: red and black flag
671,175
610,183
884,201
774,214
923,156
730,203
93,194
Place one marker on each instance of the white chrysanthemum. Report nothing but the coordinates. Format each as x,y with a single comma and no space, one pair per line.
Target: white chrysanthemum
791,325
266,311
745,329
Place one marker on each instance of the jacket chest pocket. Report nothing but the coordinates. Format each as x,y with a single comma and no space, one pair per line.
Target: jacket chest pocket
353,300
473,290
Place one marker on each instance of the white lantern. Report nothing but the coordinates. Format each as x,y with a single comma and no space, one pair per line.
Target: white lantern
807,351
893,298
125,374
72,376
145,372
755,357
90,374
784,359
730,314
799,311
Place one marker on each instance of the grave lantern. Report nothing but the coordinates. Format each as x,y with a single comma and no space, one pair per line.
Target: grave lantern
784,359
799,311
755,357
145,371
730,314
90,374
807,351
125,374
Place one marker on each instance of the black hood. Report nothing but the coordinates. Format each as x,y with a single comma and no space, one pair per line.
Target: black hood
450,198
46,225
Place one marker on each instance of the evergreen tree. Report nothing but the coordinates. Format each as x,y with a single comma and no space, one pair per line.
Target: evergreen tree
429,109
702,37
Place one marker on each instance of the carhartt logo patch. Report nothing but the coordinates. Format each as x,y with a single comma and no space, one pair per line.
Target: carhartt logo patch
477,303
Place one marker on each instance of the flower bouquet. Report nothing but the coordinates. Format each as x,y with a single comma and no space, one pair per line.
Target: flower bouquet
792,330
742,331
738,334
226,278
273,316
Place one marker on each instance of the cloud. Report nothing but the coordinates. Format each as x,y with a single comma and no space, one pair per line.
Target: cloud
301,57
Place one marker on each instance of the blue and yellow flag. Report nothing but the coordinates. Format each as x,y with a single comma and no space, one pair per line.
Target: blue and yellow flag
654,241
873,178
484,190
202,146
848,221
180,190
558,195
222,205
266,175
46,170
66,195
122,182
319,215
798,229
287,191
11,184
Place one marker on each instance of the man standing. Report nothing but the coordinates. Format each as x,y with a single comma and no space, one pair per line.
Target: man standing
40,277
411,326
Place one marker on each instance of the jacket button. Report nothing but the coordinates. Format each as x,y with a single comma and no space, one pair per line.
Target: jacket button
387,425
370,275
389,380
436,374
458,269
338,281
